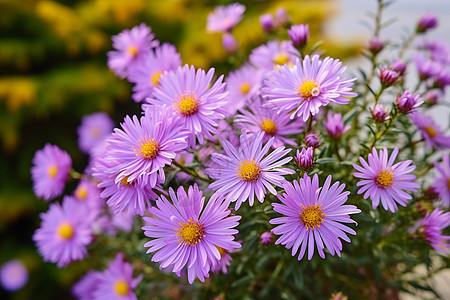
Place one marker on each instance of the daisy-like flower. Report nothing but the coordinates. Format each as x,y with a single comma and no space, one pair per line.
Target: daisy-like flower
187,234
117,281
85,288
65,232
146,74
432,225
224,18
431,132
88,193
50,171
266,119
130,46
408,102
273,55
222,264
94,129
242,173
308,85
313,217
143,147
383,181
244,85
13,275
442,182
193,98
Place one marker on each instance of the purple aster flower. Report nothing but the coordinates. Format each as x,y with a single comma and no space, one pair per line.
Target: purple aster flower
434,96
426,67
224,18
305,158
248,171
441,183
194,99
94,129
274,54
313,217
312,140
382,180
50,171
86,287
442,78
334,125
143,147
117,282
398,66
433,135
308,85
388,77
130,46
408,102
432,226
299,35
230,43
187,234
65,232
265,118
13,275
222,264
282,18
379,113
87,193
439,50
146,74
267,22
375,45
267,238
244,85
427,21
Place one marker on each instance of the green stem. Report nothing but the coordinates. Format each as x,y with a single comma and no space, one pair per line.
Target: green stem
191,172
75,175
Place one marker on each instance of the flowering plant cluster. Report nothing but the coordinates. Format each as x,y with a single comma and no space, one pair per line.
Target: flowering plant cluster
350,166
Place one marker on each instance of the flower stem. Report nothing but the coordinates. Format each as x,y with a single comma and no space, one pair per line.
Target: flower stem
191,172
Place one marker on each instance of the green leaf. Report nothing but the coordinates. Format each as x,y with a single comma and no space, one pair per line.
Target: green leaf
325,160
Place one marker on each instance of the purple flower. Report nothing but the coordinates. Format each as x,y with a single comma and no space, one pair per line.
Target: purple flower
382,180
375,45
304,159
117,282
427,21
146,74
245,172
442,78
313,217
440,50
229,42
267,22
433,135
398,66
143,147
281,17
388,77
65,232
308,85
267,238
379,113
86,287
94,129
312,140
441,183
13,275
222,263
273,54
50,171
335,126
432,226
265,118
425,67
130,46
192,96
299,35
187,234
224,18
433,96
87,193
408,102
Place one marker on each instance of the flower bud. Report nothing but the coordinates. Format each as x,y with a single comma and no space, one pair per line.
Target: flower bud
407,101
267,23
388,77
281,17
312,140
335,126
375,45
398,66
267,238
427,21
433,96
230,44
379,113
299,35
304,159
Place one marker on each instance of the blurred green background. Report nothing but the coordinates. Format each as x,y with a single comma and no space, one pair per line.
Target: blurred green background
53,71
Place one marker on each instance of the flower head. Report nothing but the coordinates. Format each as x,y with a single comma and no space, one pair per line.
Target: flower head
383,181
312,140
312,216
267,238
229,43
425,67
187,234
267,22
335,126
93,130
308,85
242,173
13,275
85,288
50,171
441,183
379,113
431,132
221,264
432,226
299,35
282,18
398,66
87,193
274,54
427,21
304,159
375,45
388,77
407,101
224,18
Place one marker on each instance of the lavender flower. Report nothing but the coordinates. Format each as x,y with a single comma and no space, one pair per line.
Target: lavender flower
267,22
304,159
222,264
375,45
432,226
407,102
93,130
398,66
229,42
433,135
427,21
442,79
87,193
312,140
224,18
433,96
299,35
388,77
267,238
85,288
273,54
281,17
379,113
441,183
312,217
335,126
13,275
426,67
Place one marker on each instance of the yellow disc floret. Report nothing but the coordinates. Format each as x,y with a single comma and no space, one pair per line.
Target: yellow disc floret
52,171
312,216
148,148
308,89
154,80
65,231
132,50
384,178
81,192
431,131
245,88
121,287
281,59
269,126
188,105
190,233
249,171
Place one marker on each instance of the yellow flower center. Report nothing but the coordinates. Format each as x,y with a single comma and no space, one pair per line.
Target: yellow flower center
149,149
312,216
65,231
95,132
121,287
81,192
281,59
52,171
221,251
188,105
430,130
190,233
249,171
245,88
384,178
125,182
308,89
132,50
269,126
155,77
